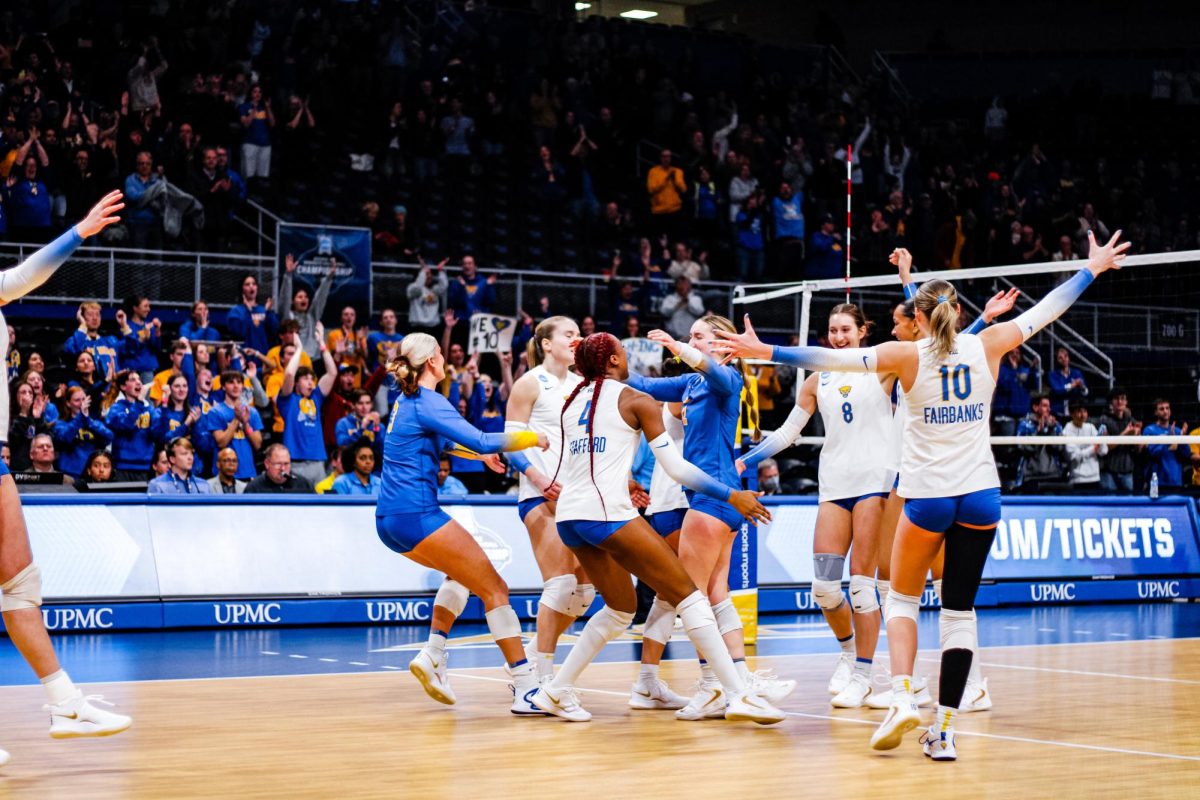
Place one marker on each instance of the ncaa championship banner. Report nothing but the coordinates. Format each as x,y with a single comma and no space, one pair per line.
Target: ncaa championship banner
313,246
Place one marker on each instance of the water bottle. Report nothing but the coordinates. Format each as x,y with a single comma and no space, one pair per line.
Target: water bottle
1154,485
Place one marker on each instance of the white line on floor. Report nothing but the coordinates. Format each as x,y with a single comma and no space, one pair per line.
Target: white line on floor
294,655
269,653
1086,633
328,660
1025,668
1047,630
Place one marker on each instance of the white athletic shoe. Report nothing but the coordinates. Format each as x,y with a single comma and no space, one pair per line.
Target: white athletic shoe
709,702
855,694
523,691
939,746
976,697
753,706
655,694
432,675
901,718
841,673
4,757
883,700
770,685
78,717
560,703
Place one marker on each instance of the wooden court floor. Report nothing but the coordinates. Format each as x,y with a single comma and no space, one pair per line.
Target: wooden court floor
1118,719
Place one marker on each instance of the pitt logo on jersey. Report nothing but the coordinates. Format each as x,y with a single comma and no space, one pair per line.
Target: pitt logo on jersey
844,391
308,410
143,420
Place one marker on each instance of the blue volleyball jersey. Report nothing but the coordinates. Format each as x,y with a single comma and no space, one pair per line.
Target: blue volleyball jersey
711,401
418,428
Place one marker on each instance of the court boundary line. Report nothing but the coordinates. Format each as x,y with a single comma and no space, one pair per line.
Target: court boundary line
1151,678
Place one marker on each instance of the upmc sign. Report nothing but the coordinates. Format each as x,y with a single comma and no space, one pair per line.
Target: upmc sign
1090,539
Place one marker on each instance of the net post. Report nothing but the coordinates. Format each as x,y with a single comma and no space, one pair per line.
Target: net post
805,314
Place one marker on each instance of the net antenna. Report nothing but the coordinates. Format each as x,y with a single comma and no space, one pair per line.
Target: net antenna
849,196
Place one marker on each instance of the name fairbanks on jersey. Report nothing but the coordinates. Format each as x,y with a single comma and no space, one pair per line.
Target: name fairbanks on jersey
956,413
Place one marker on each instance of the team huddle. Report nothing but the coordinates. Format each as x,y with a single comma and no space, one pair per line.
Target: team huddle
907,484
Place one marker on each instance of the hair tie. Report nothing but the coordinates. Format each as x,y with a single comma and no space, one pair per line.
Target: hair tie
942,298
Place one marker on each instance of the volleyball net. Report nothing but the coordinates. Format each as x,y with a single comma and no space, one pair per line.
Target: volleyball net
1135,330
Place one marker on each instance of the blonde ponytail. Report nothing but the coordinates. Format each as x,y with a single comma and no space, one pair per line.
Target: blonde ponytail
415,351
749,401
939,302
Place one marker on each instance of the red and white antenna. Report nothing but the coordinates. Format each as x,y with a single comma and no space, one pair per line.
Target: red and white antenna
849,185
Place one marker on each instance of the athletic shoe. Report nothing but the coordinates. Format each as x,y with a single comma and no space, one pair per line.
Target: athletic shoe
841,673
939,746
523,691
750,705
78,717
883,700
855,694
708,702
770,686
560,703
431,673
901,718
976,697
654,694
4,757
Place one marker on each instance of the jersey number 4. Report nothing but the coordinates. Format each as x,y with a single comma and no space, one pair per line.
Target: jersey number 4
583,417
960,377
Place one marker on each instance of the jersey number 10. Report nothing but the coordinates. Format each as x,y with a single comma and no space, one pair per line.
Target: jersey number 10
961,378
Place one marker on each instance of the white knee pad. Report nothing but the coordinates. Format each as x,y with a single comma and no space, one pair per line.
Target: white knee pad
902,606
452,596
862,594
937,589
958,630
828,594
728,619
660,622
695,612
610,623
884,587
503,623
581,599
23,591
557,593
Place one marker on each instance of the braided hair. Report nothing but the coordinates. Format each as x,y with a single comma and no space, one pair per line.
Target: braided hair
591,362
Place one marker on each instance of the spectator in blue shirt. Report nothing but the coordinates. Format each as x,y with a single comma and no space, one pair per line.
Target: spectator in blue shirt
132,422
362,423
827,256
29,203
235,424
197,329
78,434
106,351
1066,383
1166,460
788,215
751,239
358,467
144,222
249,322
143,344
301,397
1013,384
472,293
447,483
378,341
179,478
257,120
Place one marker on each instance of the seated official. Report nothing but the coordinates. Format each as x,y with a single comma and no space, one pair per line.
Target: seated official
277,477
41,464
225,481
178,479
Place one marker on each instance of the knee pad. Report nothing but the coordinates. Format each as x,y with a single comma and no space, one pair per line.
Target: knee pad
503,623
452,596
695,612
937,589
610,623
24,590
862,594
828,594
902,606
660,622
557,594
884,587
958,630
728,619
581,599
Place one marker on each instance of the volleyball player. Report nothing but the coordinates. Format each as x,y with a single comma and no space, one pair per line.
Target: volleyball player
410,522
71,713
711,398
535,404
596,519
948,475
976,696
855,475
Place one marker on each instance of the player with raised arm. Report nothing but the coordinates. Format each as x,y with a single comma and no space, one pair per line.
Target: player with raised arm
409,520
602,423
71,713
948,474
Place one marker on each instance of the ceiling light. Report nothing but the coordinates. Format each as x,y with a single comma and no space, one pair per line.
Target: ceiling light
637,13
582,6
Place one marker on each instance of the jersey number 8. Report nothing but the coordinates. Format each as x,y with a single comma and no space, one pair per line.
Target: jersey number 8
847,411
961,378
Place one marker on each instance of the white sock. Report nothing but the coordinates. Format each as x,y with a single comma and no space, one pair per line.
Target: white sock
436,643
945,718
701,627
544,663
847,645
602,628
706,673
648,672
59,688
901,685
742,669
862,666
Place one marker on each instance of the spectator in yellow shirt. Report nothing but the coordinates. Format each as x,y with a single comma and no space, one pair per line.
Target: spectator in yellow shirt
349,347
289,333
336,471
179,350
666,186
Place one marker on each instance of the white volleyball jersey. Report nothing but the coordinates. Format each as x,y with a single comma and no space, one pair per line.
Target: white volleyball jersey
544,418
856,458
665,493
946,450
898,417
595,485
